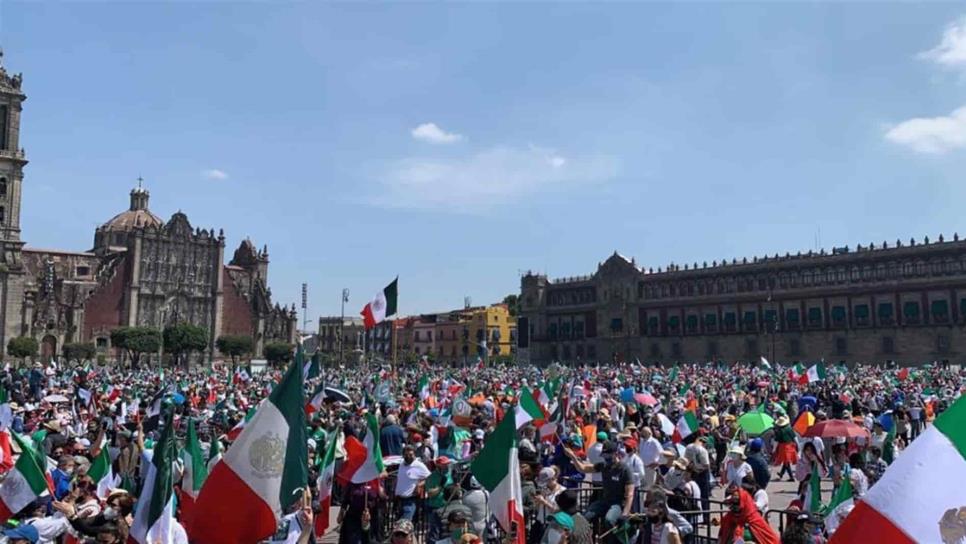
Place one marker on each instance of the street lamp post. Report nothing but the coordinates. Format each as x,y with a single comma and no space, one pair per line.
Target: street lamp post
345,298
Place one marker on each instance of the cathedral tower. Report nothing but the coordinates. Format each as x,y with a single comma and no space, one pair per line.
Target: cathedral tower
12,161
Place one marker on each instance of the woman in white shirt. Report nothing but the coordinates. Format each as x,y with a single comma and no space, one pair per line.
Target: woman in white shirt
689,487
737,468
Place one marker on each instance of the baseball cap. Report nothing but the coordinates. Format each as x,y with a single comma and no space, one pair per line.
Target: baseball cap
564,520
403,526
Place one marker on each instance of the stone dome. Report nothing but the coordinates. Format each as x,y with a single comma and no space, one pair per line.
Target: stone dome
137,216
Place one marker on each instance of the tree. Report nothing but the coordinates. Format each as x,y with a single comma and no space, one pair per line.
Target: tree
183,339
234,346
136,341
79,351
22,347
513,304
278,352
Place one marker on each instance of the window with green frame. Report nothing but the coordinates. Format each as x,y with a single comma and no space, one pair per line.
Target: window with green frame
910,310
692,322
861,311
750,318
815,316
730,319
673,322
653,322
939,310
710,319
791,315
770,316
885,312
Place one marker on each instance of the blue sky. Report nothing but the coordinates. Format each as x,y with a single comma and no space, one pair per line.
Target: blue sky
457,145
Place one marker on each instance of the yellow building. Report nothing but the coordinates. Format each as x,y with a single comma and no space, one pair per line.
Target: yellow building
492,327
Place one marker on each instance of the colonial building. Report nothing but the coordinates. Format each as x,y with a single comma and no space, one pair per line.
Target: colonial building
141,271
341,335
889,301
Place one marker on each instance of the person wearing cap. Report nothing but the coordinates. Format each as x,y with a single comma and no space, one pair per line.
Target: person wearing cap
582,532
391,437
650,452
699,463
559,528
633,462
617,486
759,465
545,498
409,480
402,532
22,534
475,499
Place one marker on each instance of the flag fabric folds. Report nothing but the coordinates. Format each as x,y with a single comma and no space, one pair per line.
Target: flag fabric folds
382,306
498,470
261,475
154,520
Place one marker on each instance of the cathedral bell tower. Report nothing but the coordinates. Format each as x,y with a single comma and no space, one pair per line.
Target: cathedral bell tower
12,161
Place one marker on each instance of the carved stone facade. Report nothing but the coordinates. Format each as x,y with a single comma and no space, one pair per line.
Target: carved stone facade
903,301
142,271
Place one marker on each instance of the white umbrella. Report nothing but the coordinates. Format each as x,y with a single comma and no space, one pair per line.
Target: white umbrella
55,398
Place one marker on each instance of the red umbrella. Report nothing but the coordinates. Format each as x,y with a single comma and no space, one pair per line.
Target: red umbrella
645,398
837,428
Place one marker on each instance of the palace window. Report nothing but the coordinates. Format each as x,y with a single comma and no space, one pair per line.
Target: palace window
770,318
910,313
730,322
886,314
940,311
3,187
616,324
861,313
748,322
691,323
3,126
653,325
814,317
711,322
674,324
838,316
792,318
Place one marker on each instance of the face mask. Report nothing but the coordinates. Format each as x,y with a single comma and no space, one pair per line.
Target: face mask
110,513
551,536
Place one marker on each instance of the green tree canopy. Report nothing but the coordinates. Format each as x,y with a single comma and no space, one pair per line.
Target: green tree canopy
235,346
513,304
136,341
79,351
22,347
183,339
278,352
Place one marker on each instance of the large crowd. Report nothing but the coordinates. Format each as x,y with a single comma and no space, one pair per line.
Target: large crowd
619,452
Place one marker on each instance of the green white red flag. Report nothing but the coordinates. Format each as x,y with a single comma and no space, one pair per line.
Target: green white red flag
363,459
919,497
261,475
383,305
26,481
498,470
154,520
324,484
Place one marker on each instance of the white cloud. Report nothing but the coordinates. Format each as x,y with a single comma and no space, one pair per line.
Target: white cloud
497,176
933,135
214,174
430,132
951,51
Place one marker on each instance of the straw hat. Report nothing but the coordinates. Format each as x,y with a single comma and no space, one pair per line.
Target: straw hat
738,450
781,421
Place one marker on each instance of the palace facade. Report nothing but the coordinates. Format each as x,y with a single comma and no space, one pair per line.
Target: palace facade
901,301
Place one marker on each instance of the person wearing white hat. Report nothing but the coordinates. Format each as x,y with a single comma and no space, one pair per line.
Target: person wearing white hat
737,468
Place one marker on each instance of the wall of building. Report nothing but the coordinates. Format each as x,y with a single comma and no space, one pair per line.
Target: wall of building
237,315
104,309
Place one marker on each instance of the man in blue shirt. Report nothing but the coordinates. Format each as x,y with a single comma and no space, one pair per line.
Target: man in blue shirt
392,438
62,476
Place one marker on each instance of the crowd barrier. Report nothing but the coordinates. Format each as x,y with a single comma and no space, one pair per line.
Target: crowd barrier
384,514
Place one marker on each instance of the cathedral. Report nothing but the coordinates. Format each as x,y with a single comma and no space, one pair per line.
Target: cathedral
141,271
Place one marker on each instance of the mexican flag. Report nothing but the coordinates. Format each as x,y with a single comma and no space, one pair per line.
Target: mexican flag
816,372
498,470
102,472
262,473
324,484
214,454
315,403
236,431
796,372
24,483
313,368
687,425
382,306
363,459
154,520
841,503
527,410
813,494
424,388
195,472
916,500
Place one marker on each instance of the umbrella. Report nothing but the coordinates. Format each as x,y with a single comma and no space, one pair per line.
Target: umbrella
756,422
55,398
804,421
836,428
807,400
337,394
645,398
